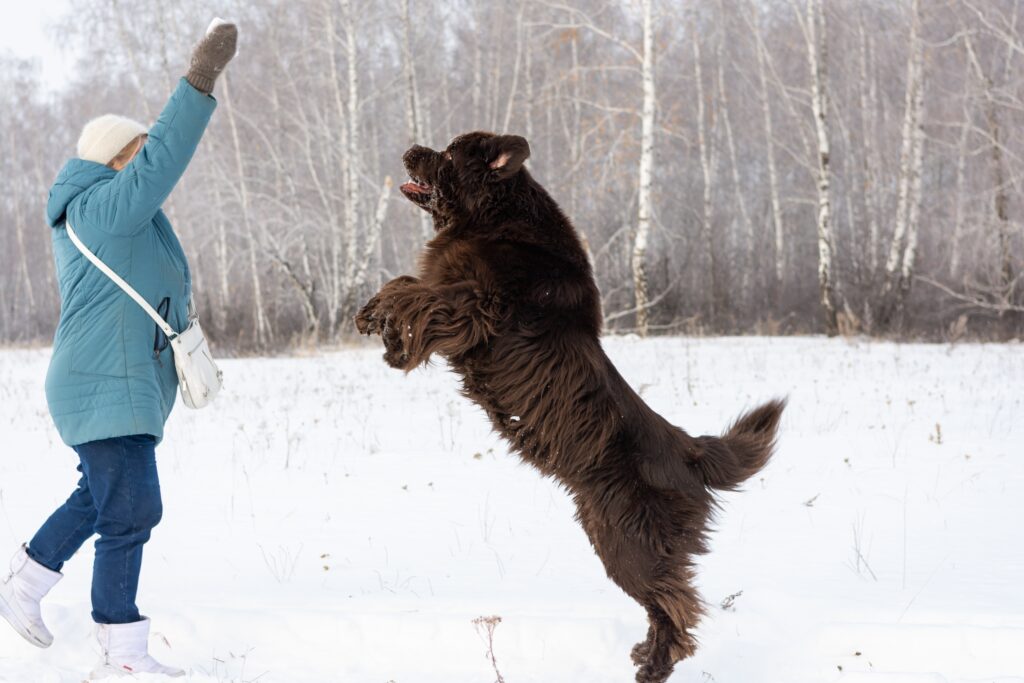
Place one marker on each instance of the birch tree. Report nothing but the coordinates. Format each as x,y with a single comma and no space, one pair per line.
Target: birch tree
741,247
900,263
869,162
1000,197
817,59
683,140
706,149
778,227
644,201
414,112
262,333
351,161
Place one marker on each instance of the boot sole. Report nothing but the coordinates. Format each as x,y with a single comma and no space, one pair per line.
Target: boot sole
107,672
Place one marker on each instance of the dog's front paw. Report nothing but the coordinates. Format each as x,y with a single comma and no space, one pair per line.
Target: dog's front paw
394,351
396,358
368,318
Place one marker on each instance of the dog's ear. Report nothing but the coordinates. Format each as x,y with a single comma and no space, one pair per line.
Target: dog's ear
507,154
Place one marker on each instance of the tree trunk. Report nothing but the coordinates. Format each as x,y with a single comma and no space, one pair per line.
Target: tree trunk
961,182
643,227
910,251
262,332
1000,198
744,248
868,107
778,228
576,141
528,82
351,231
124,32
371,250
221,253
16,199
413,115
817,52
335,269
904,240
478,58
707,168
516,66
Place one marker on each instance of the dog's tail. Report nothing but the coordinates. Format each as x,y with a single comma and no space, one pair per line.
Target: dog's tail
727,461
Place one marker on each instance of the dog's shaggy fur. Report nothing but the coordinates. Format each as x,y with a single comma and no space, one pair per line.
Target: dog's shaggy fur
506,294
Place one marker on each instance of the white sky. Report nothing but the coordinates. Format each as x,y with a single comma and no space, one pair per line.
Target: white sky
23,31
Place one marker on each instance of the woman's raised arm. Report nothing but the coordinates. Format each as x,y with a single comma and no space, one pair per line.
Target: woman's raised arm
127,203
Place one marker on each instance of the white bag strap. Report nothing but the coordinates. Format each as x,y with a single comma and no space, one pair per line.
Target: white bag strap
128,289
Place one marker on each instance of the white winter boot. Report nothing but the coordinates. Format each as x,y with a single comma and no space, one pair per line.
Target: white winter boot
125,652
20,594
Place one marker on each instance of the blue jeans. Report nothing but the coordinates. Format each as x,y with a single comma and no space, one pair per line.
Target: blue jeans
118,497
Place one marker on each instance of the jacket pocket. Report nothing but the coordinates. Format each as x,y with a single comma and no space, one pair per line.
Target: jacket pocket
98,346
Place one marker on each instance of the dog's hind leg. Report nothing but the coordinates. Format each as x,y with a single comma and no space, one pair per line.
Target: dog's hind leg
673,610
658,663
643,564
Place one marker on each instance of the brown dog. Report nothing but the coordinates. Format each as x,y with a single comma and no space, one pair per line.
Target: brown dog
506,294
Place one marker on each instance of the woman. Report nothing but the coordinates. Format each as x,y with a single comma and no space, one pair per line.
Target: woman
111,382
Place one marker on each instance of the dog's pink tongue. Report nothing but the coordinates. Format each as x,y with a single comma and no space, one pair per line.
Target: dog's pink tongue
415,188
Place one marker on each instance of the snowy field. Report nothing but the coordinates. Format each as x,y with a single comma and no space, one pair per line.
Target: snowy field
331,520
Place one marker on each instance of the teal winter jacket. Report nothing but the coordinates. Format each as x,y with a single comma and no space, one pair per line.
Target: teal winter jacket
108,376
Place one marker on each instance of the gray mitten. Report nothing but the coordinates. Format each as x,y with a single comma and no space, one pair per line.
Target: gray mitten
211,55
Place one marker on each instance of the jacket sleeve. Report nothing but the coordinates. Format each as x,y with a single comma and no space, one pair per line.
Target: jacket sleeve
126,204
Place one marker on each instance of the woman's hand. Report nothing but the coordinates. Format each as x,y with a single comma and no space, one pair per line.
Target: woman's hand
211,55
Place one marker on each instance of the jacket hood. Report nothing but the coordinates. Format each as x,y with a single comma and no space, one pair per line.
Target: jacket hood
77,176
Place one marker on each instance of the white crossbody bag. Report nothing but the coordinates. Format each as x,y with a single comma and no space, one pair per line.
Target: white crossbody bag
199,377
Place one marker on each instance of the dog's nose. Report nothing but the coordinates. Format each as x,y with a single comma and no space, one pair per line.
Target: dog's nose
414,152
417,153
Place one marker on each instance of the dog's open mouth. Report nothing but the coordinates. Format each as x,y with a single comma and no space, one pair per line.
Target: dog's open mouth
417,191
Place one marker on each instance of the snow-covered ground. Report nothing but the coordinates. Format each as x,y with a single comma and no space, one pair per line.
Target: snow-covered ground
331,520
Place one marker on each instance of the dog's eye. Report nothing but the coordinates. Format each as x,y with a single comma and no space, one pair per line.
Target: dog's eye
447,155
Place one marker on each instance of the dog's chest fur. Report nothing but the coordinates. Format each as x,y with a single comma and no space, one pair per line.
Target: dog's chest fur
542,379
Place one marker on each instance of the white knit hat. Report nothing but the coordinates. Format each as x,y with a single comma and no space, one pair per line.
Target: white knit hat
103,137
